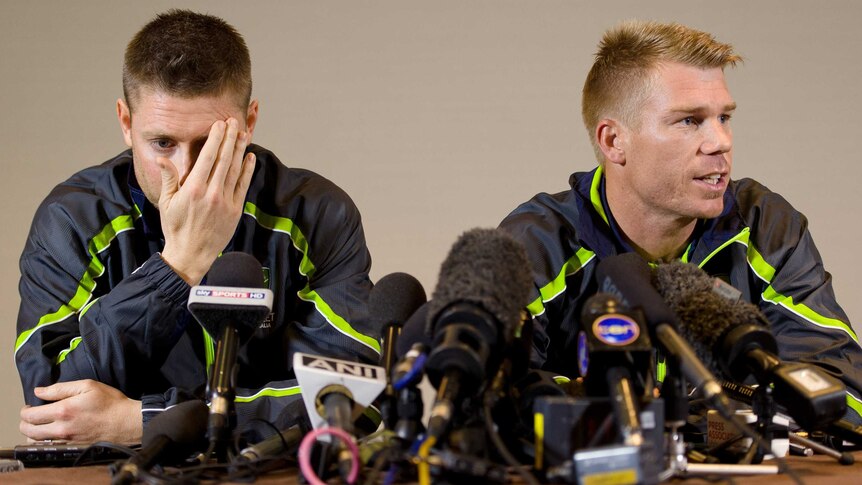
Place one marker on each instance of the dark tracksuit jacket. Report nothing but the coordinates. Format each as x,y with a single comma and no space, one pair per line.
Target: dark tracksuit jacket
759,244
98,302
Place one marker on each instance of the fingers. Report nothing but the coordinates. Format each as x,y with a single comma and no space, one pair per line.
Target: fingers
61,390
170,180
227,156
245,178
46,422
200,173
44,414
236,163
49,431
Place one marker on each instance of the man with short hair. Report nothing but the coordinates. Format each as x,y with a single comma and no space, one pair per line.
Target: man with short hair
658,113
104,336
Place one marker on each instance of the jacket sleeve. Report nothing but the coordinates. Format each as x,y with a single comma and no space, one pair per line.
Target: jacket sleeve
807,321
71,325
331,318
561,269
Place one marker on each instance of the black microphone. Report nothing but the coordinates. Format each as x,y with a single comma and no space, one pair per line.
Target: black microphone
614,358
391,302
170,437
414,332
629,277
475,309
276,445
734,338
232,305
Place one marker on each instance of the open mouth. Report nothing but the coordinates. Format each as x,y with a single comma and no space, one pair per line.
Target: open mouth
713,179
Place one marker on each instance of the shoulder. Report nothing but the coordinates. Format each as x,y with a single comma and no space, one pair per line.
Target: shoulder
296,192
92,203
88,200
758,205
547,226
774,223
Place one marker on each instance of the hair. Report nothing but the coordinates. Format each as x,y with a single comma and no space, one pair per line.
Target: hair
187,54
618,83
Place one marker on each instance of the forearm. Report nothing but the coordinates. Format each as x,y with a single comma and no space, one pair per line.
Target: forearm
137,322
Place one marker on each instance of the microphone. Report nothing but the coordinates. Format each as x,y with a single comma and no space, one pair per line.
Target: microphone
475,309
331,387
628,276
170,436
335,392
274,446
232,305
391,302
613,356
734,338
414,332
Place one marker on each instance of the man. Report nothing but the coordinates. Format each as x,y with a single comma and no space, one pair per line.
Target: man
658,113
104,337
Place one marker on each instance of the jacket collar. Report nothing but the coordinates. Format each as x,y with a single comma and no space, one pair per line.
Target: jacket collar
599,232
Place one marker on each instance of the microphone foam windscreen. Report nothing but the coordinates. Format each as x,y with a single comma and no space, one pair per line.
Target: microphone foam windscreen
185,423
236,269
487,268
704,315
394,298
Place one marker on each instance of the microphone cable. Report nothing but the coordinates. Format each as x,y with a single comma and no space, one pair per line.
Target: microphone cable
492,395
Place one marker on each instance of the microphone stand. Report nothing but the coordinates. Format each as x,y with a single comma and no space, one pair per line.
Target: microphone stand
674,391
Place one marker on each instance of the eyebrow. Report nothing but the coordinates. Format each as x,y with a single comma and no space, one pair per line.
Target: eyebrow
160,135
699,109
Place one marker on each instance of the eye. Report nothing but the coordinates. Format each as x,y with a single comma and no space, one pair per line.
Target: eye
162,144
688,121
724,119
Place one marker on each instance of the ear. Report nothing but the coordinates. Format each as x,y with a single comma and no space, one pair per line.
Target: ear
124,116
251,118
610,135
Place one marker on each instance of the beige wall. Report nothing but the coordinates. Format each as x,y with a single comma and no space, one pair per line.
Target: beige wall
436,116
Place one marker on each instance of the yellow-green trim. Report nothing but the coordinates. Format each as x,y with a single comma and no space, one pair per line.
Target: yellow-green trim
854,404
741,238
87,283
87,308
660,370
807,313
72,345
766,272
596,194
306,268
561,380
270,392
558,284
209,349
334,319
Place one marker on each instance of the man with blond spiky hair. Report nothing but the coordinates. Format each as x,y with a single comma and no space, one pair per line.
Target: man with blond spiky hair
657,111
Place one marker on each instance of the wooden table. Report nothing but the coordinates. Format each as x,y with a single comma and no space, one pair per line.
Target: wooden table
818,469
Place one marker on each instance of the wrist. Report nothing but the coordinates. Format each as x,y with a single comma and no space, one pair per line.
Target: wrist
190,269
136,422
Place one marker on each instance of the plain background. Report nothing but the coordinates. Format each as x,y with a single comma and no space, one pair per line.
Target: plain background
435,116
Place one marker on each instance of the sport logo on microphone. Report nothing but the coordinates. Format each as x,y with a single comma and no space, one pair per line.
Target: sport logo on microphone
245,295
616,329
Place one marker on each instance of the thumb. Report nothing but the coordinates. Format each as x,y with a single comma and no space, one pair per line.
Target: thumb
60,390
170,180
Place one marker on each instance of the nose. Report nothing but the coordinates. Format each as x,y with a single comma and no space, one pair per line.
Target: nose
185,159
718,138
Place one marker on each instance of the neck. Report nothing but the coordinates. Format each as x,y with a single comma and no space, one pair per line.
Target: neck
656,237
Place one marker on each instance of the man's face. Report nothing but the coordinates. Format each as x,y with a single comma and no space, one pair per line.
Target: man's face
174,128
677,161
